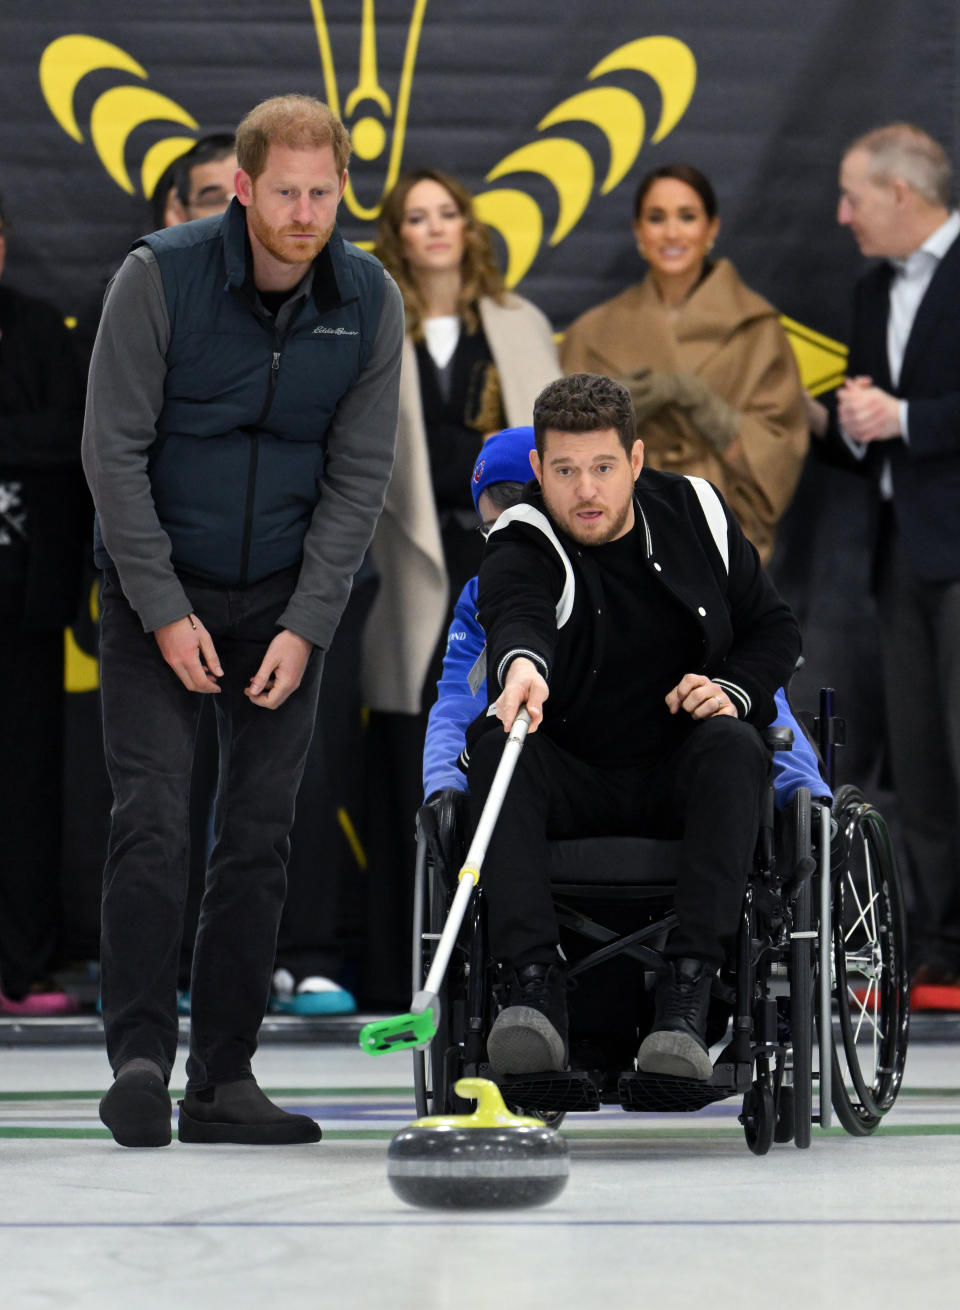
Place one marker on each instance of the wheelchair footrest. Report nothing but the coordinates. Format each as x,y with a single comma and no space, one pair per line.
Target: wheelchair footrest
573,1089
663,1092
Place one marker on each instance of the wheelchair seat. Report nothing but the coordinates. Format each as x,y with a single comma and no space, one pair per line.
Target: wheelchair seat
589,862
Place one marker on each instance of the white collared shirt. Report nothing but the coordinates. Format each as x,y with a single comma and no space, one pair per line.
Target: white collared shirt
911,278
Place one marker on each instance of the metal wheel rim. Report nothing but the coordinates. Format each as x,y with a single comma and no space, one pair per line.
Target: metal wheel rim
873,1019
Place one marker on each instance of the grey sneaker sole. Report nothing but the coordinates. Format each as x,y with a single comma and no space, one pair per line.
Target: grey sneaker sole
522,1040
674,1053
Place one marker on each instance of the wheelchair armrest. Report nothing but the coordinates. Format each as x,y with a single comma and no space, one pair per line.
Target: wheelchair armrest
778,738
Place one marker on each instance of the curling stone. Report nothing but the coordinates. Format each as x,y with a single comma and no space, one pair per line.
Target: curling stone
485,1160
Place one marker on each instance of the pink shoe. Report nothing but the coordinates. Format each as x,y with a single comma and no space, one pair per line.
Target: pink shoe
39,1005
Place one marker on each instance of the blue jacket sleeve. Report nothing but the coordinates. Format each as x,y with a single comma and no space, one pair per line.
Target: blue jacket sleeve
794,768
456,706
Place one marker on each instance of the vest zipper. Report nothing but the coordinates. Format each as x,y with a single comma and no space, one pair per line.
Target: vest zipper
252,471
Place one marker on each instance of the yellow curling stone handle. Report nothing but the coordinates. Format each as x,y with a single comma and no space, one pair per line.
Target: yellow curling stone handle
490,1112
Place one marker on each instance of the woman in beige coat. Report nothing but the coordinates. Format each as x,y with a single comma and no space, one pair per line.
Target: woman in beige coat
712,374
474,360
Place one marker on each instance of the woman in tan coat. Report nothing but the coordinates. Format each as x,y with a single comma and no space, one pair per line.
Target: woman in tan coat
712,374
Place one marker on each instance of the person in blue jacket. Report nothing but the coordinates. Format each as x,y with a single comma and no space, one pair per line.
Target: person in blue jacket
501,470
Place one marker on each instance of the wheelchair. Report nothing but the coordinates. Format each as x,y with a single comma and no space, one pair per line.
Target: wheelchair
816,991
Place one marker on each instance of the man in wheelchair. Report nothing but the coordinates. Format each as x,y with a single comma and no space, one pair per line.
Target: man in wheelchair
631,600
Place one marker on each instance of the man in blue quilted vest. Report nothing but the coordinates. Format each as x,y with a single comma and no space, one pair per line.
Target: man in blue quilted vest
238,440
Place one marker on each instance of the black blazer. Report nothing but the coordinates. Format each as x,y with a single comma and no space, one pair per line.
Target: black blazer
925,469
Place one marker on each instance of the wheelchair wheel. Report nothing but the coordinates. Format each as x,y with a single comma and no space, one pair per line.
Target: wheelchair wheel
870,988
434,1069
801,1018
445,1052
759,1117
800,1103
784,1131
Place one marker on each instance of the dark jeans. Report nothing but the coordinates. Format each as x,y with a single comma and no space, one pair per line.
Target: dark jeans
707,793
150,729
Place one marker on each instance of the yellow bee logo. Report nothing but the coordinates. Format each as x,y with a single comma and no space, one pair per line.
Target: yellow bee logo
375,119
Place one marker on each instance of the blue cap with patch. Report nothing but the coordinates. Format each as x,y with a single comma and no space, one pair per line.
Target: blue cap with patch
504,457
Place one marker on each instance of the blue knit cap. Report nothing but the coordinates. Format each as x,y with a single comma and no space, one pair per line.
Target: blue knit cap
504,457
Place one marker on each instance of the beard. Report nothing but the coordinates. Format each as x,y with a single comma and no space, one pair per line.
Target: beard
586,535
276,240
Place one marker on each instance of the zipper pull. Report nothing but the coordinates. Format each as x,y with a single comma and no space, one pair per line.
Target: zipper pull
275,366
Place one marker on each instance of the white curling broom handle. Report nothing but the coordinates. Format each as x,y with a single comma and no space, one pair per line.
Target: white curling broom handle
470,873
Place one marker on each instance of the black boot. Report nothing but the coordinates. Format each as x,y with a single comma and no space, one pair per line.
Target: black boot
137,1107
676,1044
530,1033
239,1112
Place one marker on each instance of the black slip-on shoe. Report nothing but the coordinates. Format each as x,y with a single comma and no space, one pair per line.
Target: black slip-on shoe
137,1107
239,1112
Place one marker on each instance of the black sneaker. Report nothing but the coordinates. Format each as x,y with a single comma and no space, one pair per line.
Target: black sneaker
530,1033
677,1042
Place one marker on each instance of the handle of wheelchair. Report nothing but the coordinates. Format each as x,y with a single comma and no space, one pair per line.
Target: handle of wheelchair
470,872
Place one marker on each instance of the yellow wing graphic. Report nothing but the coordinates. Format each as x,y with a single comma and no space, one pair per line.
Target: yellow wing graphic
116,112
822,361
567,165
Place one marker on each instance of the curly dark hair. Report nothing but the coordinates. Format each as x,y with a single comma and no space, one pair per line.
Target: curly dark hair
479,274
584,402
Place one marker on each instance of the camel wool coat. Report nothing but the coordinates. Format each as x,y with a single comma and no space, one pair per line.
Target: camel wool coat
732,339
408,615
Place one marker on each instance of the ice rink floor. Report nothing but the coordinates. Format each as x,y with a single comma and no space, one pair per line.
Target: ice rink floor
659,1211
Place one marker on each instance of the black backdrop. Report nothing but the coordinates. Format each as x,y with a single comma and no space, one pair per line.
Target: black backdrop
764,94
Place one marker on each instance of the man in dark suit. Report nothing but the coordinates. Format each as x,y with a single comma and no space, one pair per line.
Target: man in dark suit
899,411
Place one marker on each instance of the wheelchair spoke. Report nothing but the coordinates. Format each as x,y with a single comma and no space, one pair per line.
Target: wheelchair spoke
869,909
868,1008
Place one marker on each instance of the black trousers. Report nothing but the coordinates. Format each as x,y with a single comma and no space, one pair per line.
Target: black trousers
31,767
920,638
707,793
150,728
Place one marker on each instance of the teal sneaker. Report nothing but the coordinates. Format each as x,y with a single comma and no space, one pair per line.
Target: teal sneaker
311,996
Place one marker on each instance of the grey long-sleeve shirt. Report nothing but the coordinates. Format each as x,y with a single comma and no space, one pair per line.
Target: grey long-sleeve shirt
124,400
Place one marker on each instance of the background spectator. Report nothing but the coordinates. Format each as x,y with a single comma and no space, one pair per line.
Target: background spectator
475,357
43,522
899,413
714,382
197,184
